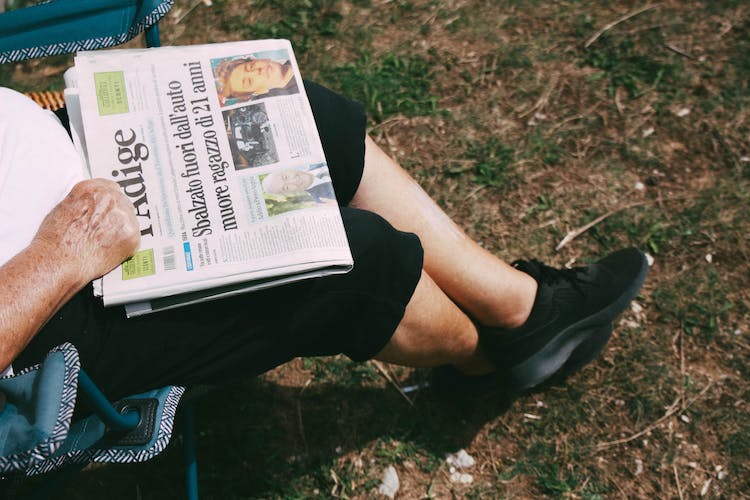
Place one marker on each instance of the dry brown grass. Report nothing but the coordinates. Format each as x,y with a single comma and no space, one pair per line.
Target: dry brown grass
667,155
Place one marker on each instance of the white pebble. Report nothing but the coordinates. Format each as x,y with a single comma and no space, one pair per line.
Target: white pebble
639,186
649,259
390,483
458,477
683,112
709,258
460,459
685,418
648,132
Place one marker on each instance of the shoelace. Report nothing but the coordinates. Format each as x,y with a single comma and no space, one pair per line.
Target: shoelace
551,275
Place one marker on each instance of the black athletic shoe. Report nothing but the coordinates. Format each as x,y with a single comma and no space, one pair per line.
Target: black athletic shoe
571,320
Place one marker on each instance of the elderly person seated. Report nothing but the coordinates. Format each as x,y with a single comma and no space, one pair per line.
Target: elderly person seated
421,293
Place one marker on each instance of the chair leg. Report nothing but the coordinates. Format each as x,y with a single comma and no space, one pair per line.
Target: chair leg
188,438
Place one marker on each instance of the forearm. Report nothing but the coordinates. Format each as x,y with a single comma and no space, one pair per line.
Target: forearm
33,286
86,235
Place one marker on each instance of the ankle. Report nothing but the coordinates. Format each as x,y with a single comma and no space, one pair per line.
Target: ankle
515,313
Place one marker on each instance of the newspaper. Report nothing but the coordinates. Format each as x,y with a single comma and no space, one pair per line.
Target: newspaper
217,149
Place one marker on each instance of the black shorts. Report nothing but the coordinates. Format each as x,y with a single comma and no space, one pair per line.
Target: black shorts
354,313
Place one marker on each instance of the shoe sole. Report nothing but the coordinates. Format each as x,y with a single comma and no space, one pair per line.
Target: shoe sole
576,345
587,351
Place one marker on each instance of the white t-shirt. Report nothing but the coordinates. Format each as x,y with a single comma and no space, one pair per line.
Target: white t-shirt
38,167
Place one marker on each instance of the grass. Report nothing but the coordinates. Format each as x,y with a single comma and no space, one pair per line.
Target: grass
388,84
522,135
632,66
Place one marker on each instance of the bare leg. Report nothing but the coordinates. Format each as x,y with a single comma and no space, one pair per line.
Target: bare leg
491,291
434,332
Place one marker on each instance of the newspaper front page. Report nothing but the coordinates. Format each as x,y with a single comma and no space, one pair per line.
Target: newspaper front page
217,149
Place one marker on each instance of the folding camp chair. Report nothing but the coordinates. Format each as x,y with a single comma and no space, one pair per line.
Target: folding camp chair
37,434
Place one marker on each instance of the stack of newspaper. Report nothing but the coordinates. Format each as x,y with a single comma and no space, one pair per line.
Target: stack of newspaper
217,149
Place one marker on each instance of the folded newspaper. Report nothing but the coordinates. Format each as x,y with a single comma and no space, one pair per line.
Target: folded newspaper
217,149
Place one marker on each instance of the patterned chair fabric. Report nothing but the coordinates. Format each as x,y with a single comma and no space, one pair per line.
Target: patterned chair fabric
74,25
39,404
36,434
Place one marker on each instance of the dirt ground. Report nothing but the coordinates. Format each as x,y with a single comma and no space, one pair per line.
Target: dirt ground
556,130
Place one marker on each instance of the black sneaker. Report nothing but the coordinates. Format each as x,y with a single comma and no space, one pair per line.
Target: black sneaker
571,320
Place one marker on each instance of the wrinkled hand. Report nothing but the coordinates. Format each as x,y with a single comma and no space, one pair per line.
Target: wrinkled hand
92,230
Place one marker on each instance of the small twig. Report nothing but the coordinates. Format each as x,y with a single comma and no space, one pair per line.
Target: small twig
618,100
337,483
544,98
679,51
640,123
673,409
611,25
682,370
566,121
388,122
577,232
474,191
725,28
677,480
301,426
390,379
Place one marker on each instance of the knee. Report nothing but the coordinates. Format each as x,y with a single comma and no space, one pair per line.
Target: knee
371,237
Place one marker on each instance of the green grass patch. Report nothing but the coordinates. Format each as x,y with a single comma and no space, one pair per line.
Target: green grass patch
645,229
304,22
631,64
553,476
698,301
489,162
393,451
386,84
340,370
544,147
